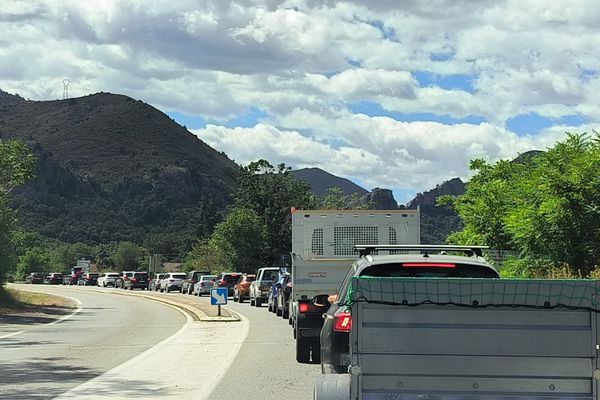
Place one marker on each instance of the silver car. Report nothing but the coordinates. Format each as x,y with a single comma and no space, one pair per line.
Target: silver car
204,284
172,281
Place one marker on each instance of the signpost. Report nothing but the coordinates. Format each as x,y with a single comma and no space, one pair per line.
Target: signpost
218,297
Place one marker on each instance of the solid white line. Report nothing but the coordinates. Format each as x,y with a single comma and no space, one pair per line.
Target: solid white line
61,319
12,334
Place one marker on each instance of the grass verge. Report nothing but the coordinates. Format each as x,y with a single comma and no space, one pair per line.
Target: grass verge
12,300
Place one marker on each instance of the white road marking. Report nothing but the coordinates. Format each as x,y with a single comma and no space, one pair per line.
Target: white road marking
12,334
190,363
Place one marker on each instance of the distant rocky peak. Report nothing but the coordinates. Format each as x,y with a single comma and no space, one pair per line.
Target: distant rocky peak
382,199
453,187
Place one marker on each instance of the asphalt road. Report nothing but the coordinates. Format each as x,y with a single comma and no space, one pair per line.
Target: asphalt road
266,367
47,360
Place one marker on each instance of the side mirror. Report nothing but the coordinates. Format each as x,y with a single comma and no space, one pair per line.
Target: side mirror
320,300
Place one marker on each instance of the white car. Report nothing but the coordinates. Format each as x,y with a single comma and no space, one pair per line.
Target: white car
108,279
204,284
259,289
172,281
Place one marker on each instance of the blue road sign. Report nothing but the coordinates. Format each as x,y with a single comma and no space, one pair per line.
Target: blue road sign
218,296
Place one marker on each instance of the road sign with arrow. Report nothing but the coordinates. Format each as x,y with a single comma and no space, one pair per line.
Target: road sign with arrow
218,296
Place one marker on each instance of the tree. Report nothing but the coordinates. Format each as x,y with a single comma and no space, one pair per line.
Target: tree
128,256
16,167
546,207
33,260
271,192
206,255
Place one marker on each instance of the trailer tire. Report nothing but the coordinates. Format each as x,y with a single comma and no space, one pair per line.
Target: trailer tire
332,387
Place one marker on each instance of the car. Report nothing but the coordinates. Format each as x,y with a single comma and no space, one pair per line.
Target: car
275,290
259,289
72,277
54,278
120,281
204,284
139,280
155,282
283,298
34,277
228,280
334,340
88,279
242,287
172,281
108,279
193,277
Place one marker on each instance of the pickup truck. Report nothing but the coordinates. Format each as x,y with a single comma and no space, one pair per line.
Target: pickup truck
469,338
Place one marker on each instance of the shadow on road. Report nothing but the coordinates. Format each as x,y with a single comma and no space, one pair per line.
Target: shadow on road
38,315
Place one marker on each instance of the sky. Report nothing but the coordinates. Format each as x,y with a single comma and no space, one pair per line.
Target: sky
391,94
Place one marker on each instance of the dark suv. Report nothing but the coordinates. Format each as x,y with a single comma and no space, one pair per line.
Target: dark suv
228,280
137,280
88,279
188,285
338,323
35,277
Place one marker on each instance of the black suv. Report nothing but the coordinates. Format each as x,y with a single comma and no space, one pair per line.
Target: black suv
138,280
335,334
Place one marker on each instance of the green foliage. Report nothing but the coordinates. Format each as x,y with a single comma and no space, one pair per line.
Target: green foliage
33,260
546,207
206,255
128,256
271,192
16,166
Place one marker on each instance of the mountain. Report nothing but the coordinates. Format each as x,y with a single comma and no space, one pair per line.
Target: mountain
320,181
438,222
110,168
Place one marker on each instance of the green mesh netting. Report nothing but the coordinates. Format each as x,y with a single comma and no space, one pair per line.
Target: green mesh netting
534,293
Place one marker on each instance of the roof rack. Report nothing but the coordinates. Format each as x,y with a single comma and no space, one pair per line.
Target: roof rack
470,251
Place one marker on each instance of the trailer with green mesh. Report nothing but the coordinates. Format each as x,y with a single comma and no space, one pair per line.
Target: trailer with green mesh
470,339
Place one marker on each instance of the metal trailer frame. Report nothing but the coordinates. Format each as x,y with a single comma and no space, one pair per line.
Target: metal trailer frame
323,249
538,350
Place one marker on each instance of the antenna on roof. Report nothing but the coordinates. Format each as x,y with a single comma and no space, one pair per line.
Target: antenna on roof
66,83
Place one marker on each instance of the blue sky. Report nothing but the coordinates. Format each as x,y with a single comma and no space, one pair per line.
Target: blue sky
400,97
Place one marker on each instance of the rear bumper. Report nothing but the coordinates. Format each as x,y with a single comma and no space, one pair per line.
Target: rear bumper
309,324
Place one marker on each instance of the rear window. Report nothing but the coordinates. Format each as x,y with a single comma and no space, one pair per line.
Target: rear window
141,276
112,275
270,275
179,276
429,270
231,278
93,275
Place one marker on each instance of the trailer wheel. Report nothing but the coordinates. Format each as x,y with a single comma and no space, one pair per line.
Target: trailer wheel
332,387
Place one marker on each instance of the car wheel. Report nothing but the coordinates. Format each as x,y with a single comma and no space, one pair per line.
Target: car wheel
251,300
161,290
258,302
278,311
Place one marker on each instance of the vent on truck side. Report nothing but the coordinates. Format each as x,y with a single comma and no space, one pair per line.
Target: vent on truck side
346,237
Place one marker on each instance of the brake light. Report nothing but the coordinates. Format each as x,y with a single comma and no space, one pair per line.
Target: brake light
222,283
343,322
426,265
303,307
201,284
133,280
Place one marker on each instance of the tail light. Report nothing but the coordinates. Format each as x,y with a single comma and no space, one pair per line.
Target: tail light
201,284
303,307
222,282
343,322
133,280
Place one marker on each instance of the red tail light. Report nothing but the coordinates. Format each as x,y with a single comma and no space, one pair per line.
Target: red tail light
303,307
201,284
426,265
133,280
222,282
343,322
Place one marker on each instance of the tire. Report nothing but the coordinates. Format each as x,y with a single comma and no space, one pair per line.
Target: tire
161,290
257,302
302,349
316,350
278,311
168,290
251,300
332,387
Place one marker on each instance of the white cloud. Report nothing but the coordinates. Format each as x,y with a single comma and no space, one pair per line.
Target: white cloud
304,62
